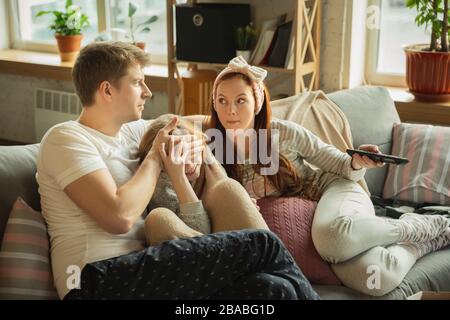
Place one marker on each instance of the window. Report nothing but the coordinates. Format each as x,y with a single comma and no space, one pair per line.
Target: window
33,33
395,27
156,39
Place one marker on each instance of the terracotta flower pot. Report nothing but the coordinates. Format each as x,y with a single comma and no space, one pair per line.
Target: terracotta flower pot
69,46
428,74
140,44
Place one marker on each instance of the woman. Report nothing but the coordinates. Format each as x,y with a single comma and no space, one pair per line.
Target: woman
345,230
184,187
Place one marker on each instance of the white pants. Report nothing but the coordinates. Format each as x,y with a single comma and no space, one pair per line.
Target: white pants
361,247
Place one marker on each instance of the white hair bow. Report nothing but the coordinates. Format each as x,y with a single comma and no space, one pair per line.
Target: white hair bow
255,73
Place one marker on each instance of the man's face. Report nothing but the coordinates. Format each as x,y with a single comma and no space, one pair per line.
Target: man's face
130,95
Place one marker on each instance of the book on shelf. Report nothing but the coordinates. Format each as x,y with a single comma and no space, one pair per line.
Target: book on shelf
289,63
277,57
266,41
266,36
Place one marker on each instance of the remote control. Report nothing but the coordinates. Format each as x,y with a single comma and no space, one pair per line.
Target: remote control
379,157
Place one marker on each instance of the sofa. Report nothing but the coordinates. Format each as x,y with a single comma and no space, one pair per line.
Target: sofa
371,114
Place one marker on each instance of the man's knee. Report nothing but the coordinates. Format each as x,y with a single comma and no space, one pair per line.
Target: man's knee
263,236
275,288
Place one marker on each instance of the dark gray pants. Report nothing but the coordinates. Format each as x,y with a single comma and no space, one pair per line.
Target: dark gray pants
248,264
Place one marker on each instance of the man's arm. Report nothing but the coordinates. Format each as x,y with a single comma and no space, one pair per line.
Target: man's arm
116,209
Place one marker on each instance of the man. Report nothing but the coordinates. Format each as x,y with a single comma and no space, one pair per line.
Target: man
93,195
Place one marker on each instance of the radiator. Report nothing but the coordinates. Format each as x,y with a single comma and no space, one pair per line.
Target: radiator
52,107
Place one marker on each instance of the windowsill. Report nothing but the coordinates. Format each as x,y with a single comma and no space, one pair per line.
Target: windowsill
411,110
48,65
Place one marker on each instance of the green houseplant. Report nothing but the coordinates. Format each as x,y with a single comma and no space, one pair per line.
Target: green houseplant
68,26
244,37
135,28
428,65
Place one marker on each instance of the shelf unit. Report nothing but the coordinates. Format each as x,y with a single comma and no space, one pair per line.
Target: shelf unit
306,71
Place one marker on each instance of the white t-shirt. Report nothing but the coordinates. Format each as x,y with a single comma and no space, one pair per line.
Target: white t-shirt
68,152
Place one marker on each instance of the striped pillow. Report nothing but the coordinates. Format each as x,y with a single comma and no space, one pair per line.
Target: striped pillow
426,178
25,271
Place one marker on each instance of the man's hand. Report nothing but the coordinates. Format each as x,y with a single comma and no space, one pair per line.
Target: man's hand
359,162
163,135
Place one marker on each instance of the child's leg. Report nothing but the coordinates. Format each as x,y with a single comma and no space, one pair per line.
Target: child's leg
230,207
162,224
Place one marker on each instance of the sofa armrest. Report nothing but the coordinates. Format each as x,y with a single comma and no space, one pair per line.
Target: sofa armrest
17,178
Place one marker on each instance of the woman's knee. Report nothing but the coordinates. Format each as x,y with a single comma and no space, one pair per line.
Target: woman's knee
375,273
335,241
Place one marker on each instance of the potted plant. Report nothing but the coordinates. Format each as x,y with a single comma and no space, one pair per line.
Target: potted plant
428,65
68,26
134,28
244,36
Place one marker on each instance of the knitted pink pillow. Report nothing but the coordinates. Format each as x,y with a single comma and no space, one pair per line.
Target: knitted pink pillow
291,219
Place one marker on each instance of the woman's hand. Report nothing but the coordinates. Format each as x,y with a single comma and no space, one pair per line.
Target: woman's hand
359,162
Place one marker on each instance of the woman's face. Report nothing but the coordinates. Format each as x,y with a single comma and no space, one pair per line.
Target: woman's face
235,104
192,170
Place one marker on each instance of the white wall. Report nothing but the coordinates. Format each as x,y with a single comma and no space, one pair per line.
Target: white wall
17,105
4,36
332,44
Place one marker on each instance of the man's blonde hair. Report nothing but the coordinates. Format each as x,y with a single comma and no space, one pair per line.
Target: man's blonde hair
104,61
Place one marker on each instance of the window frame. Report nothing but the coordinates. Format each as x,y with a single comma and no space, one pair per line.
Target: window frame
104,20
374,77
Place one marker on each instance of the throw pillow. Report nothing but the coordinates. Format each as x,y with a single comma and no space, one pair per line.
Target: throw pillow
25,270
426,178
290,218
